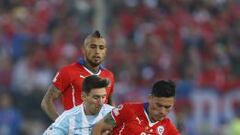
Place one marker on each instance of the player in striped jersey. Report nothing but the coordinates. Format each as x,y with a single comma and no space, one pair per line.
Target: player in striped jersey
80,119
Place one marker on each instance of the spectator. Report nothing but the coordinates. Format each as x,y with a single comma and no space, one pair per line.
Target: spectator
11,120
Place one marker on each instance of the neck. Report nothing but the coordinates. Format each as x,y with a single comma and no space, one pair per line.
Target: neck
149,115
91,68
86,111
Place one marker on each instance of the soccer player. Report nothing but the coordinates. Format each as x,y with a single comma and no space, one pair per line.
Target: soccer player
80,119
67,83
143,118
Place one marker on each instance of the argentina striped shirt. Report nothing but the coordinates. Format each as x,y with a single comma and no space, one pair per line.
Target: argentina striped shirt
75,122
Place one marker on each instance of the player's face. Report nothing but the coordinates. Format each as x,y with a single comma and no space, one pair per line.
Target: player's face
95,99
95,51
159,107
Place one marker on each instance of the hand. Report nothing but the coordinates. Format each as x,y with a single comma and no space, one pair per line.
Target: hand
107,132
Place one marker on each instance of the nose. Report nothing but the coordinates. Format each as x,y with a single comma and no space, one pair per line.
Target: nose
101,100
161,111
97,49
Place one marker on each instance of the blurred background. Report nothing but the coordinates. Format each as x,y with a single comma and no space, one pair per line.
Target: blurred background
196,43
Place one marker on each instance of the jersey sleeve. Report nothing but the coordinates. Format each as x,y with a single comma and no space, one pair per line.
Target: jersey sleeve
123,113
59,127
62,79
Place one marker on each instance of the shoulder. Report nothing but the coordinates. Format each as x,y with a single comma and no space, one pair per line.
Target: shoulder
69,113
132,104
62,123
107,107
128,108
70,66
170,126
167,121
107,72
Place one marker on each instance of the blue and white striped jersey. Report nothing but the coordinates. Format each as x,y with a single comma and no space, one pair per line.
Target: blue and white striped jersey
75,122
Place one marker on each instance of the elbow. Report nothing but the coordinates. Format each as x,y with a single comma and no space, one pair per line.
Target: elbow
43,104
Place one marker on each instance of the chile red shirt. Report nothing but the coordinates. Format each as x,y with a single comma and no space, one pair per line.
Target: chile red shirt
69,81
133,119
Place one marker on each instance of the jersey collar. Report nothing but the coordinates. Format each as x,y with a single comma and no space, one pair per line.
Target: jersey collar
83,63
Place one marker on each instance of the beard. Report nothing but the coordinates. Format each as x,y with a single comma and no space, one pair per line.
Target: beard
93,63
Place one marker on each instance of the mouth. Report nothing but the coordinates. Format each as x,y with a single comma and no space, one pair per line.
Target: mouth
97,58
160,117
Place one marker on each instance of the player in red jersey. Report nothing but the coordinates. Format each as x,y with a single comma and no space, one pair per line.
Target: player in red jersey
67,83
143,118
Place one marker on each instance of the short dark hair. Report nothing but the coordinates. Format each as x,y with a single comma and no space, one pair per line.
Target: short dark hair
94,81
164,88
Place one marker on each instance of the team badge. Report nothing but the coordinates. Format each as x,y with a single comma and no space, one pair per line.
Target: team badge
160,130
116,110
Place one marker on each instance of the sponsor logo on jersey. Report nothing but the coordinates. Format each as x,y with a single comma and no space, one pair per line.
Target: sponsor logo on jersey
139,121
81,76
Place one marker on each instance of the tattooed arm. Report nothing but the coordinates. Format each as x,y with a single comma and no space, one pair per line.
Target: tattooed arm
107,123
47,104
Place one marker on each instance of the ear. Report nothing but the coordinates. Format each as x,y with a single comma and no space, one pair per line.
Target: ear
84,96
83,49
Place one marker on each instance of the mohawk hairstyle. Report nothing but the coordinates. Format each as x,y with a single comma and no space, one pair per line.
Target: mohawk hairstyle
164,89
96,34
94,81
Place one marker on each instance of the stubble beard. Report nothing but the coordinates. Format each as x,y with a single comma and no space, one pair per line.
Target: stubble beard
93,64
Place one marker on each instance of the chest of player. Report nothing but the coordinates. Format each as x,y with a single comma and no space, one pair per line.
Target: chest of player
82,130
157,128
77,78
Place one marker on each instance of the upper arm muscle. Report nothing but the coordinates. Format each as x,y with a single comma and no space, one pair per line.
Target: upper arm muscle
52,93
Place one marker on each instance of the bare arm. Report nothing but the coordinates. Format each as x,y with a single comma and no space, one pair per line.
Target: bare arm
107,123
47,103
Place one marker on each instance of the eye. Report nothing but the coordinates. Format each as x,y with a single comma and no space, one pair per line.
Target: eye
96,97
104,96
102,47
93,46
167,107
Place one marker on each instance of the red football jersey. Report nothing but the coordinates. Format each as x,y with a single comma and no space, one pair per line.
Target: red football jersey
133,119
69,81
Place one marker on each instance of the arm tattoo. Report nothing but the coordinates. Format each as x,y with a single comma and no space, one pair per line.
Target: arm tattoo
53,93
109,120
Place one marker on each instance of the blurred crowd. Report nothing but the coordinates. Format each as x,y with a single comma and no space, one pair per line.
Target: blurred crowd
196,43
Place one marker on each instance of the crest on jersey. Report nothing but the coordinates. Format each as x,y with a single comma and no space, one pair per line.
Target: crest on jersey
160,130
116,110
